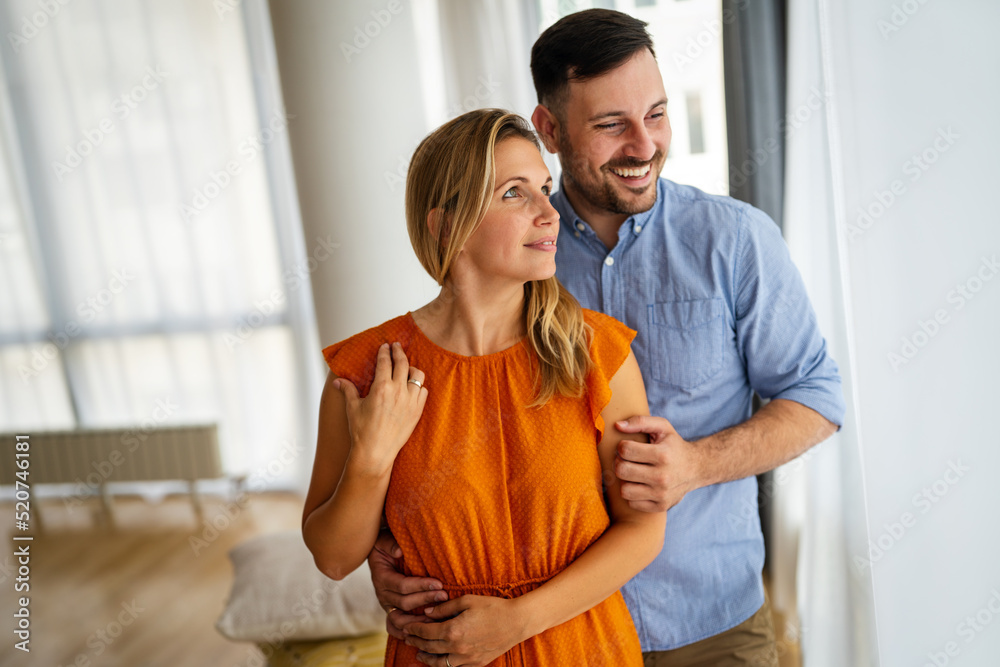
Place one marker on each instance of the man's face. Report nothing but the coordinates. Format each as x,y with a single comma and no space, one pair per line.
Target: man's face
614,137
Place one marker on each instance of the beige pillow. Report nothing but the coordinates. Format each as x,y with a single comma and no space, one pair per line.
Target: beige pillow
279,595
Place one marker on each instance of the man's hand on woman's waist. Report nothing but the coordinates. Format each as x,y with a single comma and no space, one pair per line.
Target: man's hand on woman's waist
397,593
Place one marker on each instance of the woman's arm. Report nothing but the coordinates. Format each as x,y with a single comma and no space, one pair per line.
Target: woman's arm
486,627
357,444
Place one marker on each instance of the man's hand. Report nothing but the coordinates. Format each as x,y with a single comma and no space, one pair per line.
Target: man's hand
469,631
657,475
397,593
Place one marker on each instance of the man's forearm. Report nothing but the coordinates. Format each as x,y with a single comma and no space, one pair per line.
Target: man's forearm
776,434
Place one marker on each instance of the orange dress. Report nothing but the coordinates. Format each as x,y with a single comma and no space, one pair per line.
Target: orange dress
494,498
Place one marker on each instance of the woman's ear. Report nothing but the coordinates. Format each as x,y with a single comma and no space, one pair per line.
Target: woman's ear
547,126
438,224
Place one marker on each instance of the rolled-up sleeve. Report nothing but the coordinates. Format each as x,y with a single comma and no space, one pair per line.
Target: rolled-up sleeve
777,333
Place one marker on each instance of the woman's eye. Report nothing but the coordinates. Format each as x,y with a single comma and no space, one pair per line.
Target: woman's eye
546,190
510,193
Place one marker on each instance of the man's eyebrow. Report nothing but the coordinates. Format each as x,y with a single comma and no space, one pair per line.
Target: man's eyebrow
615,114
520,179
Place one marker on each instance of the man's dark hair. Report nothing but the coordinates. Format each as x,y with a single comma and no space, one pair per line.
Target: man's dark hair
582,46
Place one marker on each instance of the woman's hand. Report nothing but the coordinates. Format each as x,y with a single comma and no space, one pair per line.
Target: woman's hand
357,443
381,423
473,631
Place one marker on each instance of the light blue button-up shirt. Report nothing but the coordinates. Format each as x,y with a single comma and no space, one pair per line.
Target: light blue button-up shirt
721,312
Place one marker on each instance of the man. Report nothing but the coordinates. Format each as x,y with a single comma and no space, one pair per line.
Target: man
720,312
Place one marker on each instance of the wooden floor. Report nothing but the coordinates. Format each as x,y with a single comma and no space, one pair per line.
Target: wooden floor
88,577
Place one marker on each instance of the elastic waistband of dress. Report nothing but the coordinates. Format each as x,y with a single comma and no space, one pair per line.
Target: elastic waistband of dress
510,589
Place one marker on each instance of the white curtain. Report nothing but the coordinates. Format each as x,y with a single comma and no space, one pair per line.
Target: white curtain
485,48
150,243
890,217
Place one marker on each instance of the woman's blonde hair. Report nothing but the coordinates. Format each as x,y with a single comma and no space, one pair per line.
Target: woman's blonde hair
451,179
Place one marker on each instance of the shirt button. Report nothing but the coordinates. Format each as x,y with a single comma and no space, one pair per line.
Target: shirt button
638,228
609,260
579,226
576,234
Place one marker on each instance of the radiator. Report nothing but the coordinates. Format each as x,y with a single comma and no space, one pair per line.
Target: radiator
96,456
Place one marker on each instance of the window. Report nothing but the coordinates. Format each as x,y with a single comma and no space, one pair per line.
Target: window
146,256
696,132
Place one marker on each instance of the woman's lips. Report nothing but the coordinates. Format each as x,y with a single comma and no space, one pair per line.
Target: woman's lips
547,244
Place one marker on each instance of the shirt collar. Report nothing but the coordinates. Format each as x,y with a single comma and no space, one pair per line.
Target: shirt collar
635,223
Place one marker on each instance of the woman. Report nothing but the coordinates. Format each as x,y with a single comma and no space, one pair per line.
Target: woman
489,461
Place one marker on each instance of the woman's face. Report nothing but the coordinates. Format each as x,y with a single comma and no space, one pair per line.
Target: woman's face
517,237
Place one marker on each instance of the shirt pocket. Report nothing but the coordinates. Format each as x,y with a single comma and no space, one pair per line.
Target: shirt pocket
687,341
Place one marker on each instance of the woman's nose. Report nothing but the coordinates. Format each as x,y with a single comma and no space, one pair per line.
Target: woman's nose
548,214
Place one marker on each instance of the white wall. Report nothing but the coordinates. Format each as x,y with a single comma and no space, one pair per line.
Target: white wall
351,80
915,78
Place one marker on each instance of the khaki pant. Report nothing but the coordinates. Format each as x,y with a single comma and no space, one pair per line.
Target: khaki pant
749,644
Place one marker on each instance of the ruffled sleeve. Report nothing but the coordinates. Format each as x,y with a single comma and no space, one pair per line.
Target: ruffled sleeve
354,358
610,344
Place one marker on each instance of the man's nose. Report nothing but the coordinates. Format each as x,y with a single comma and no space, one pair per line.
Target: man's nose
640,143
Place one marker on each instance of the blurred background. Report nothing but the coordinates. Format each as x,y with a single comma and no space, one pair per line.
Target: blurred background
196,196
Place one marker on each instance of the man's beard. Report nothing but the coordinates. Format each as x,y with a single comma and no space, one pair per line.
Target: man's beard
603,194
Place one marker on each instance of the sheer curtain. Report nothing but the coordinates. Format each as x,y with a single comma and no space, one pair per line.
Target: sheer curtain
820,499
891,214
150,243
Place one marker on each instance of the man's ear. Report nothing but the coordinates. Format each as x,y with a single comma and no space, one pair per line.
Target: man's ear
437,221
547,126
